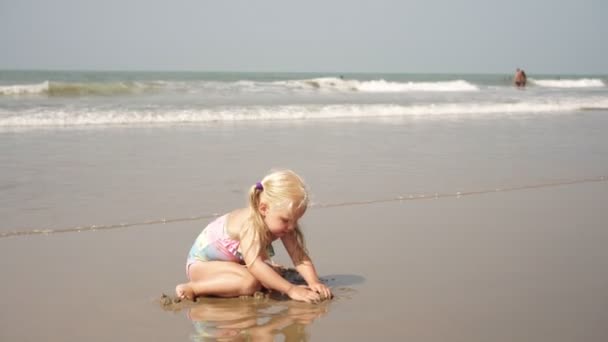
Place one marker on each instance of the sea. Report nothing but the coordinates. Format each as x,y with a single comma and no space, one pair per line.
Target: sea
43,99
444,207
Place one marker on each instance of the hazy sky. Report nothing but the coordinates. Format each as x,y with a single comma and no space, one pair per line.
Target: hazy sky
485,36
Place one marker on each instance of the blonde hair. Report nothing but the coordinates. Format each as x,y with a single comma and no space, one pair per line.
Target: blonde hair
278,189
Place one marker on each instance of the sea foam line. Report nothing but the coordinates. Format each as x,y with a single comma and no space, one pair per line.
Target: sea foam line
90,117
402,198
379,86
570,83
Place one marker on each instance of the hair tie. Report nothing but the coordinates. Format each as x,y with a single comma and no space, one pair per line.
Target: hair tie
259,186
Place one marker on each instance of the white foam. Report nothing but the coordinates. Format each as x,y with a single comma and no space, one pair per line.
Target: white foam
379,86
50,117
444,86
570,83
23,89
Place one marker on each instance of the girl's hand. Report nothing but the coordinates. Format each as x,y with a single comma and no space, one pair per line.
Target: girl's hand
303,294
321,289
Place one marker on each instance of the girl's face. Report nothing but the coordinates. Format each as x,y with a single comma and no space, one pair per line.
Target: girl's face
281,221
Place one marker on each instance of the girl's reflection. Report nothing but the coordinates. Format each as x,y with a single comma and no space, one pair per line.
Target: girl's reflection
253,320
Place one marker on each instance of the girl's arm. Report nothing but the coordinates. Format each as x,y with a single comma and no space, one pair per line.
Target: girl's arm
268,276
304,265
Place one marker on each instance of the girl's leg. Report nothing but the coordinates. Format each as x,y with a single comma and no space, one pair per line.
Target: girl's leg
218,278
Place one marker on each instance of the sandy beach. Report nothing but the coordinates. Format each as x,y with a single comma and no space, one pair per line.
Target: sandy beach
499,234
507,266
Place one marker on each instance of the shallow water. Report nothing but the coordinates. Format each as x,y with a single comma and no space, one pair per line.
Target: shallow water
65,178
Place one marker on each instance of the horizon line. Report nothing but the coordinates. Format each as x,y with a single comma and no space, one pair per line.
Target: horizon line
290,72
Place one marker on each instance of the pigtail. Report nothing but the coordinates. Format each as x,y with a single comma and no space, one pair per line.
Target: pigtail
303,252
256,221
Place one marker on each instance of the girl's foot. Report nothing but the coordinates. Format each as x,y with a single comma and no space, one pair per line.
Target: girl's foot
184,291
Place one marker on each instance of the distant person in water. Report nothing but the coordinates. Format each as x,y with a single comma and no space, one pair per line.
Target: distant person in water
520,78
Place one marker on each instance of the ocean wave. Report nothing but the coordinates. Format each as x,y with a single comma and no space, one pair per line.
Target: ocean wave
23,89
378,86
51,88
570,83
252,84
48,117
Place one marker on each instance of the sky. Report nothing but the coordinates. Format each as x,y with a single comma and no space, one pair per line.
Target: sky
413,36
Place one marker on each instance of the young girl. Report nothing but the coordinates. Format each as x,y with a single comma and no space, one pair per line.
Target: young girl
228,258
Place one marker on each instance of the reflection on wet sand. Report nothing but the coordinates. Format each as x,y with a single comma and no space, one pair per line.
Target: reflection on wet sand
260,317
253,320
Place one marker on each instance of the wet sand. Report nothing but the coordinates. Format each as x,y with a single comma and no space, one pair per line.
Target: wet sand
526,265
